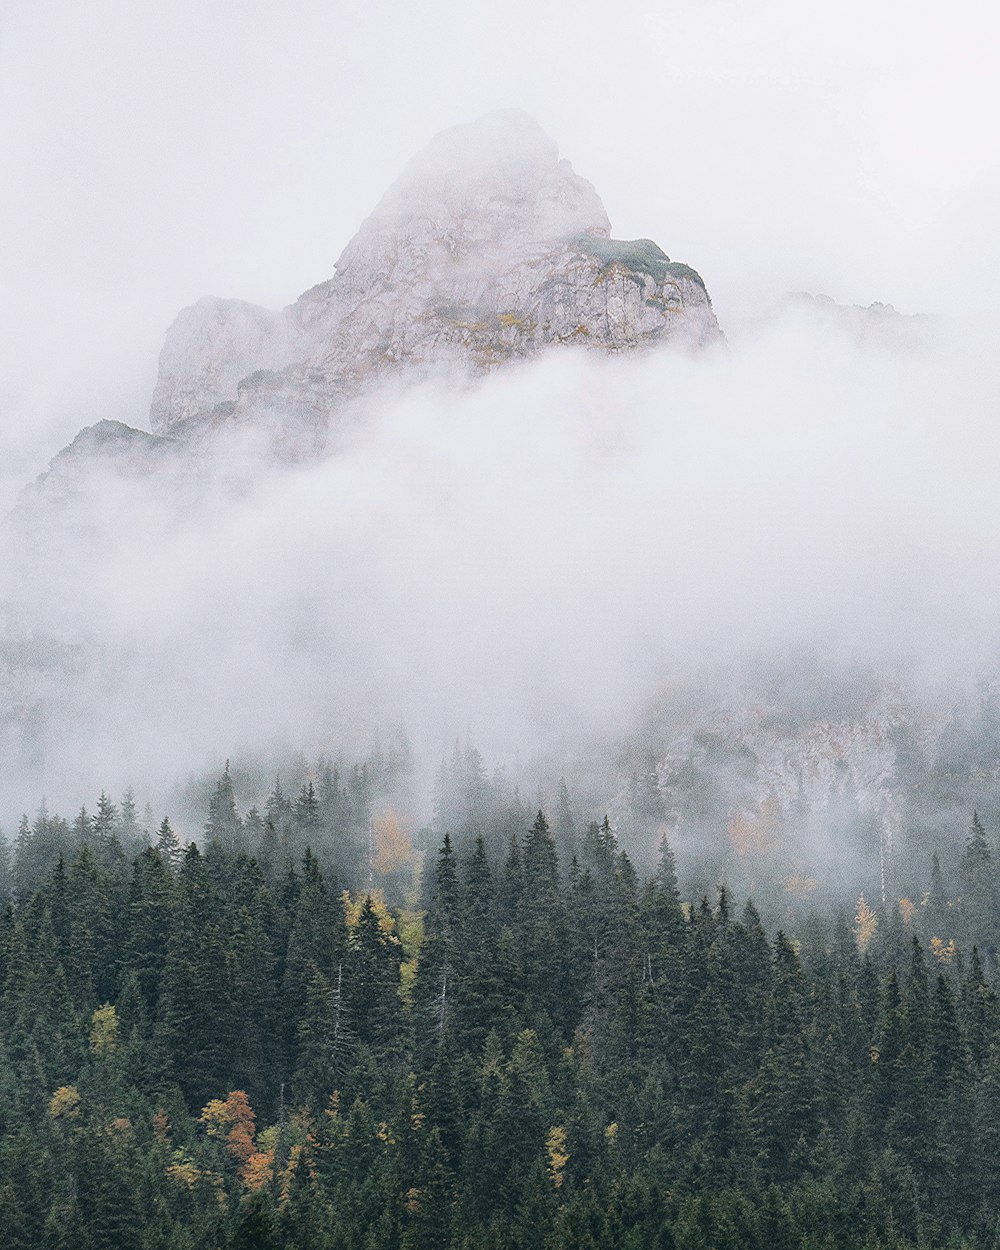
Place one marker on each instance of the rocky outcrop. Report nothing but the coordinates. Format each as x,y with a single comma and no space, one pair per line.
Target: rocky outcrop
210,347
85,499
488,248
121,450
877,324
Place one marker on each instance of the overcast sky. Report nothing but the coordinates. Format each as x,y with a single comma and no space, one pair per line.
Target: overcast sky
156,152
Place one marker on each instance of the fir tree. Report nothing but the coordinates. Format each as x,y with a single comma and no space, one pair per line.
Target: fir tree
978,885
168,846
224,825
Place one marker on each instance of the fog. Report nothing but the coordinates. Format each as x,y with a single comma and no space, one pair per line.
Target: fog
525,559
528,559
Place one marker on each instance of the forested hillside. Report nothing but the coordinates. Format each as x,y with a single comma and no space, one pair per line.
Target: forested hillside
290,1035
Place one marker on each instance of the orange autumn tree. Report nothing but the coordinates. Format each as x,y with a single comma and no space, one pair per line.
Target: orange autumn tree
258,1171
232,1121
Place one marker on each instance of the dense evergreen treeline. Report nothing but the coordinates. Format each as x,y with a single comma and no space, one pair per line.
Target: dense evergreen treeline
245,1044
331,815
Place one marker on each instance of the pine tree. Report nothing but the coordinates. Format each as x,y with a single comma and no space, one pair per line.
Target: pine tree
256,1227
511,883
977,879
105,820
478,995
435,1207
149,922
307,815
977,1005
278,811
937,920
94,919
436,984
168,846
6,872
129,830
373,996
322,1043
196,1014
564,827
786,1094
224,825
541,926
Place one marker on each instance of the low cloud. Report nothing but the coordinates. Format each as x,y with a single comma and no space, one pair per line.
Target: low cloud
525,560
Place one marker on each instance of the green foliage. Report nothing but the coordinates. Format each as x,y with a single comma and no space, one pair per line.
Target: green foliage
638,256
218,1053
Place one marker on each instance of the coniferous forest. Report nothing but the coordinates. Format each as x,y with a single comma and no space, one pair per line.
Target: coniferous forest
303,1031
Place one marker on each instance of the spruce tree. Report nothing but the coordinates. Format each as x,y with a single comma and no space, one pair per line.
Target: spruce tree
977,878
224,825
168,846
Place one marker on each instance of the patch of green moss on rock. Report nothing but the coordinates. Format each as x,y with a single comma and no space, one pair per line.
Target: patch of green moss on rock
636,255
678,270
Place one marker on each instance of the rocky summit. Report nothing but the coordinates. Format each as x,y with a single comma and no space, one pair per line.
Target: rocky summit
487,249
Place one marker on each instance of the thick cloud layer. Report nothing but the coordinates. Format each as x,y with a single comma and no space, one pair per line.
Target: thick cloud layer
526,559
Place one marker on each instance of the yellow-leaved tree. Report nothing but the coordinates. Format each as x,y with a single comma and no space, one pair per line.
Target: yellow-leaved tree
944,952
353,908
865,924
104,1030
758,835
393,849
555,1147
65,1103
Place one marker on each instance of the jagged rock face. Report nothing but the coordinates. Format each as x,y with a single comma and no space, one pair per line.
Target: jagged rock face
826,765
122,451
209,349
110,471
488,248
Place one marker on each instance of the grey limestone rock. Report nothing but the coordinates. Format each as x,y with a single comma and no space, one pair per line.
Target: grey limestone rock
209,348
488,248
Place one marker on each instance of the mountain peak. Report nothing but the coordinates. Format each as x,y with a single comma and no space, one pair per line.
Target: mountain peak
506,140
487,248
496,184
